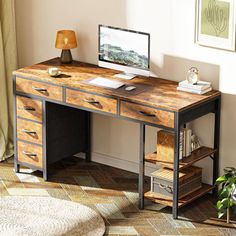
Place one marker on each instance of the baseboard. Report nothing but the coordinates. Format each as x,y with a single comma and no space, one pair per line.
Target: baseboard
119,163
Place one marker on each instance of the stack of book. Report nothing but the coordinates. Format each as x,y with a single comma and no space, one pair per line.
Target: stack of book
185,142
200,87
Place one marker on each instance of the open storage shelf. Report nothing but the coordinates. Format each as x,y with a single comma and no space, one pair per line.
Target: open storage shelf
158,198
195,156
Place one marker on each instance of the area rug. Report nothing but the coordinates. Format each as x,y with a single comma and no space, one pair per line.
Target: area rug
48,217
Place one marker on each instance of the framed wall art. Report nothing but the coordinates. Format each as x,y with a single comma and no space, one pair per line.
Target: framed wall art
215,23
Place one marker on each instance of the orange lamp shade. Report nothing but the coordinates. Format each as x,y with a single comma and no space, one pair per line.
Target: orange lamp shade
66,39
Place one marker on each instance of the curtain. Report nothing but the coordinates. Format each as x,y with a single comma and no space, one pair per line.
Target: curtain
8,63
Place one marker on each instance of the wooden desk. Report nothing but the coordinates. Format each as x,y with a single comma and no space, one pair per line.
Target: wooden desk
52,117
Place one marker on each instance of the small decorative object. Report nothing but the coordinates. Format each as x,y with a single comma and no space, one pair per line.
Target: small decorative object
53,71
192,75
215,23
192,84
66,40
195,143
227,192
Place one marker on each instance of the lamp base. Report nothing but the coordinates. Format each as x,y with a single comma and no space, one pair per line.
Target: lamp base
66,56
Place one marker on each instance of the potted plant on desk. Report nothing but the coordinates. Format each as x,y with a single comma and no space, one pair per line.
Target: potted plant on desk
227,193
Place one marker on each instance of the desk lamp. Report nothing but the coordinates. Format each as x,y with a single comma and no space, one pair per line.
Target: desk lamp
66,40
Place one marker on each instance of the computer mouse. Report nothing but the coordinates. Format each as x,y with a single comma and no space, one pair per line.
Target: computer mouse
130,88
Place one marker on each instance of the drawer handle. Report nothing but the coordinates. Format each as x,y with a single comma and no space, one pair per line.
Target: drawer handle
29,154
39,89
29,131
91,101
26,108
144,113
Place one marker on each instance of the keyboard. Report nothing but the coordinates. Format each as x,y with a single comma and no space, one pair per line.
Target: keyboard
106,83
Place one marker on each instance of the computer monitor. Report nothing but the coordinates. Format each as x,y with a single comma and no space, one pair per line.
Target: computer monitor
124,50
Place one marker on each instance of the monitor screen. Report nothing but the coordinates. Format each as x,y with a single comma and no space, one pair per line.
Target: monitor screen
124,47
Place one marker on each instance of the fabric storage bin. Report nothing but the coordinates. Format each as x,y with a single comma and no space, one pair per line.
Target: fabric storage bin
190,179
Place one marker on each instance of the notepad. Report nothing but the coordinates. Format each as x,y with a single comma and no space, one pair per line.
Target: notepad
106,83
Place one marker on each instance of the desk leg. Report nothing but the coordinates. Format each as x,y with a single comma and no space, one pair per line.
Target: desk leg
216,144
141,165
176,169
17,167
88,135
45,157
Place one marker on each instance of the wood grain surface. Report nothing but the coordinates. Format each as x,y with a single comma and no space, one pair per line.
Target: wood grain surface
29,131
29,108
160,93
195,156
91,101
34,154
39,89
165,146
183,201
147,114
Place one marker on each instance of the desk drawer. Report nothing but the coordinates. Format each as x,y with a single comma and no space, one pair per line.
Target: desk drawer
30,154
92,101
39,89
29,131
29,108
147,114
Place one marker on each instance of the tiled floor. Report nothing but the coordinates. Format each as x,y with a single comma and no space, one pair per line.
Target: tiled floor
113,193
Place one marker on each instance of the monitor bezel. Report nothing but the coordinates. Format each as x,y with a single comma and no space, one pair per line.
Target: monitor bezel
127,30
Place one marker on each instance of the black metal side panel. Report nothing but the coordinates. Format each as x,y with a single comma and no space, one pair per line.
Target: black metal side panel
66,130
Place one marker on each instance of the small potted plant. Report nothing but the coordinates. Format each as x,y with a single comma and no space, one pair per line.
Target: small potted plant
227,192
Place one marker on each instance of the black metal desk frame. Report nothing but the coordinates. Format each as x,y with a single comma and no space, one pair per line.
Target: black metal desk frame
180,118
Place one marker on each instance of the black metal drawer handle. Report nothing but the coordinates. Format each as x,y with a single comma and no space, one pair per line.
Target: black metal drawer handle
39,89
29,154
91,101
26,108
144,113
29,131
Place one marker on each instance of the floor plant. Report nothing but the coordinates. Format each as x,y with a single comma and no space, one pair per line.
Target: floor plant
227,192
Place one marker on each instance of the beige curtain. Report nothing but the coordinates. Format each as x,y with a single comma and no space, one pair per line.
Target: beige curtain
8,63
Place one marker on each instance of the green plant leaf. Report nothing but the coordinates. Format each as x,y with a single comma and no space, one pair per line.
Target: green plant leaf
232,180
219,205
229,189
224,193
221,179
220,214
225,202
231,203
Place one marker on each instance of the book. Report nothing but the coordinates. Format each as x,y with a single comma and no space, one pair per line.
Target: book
200,86
188,142
193,90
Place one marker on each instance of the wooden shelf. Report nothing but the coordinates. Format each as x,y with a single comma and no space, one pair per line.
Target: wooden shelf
196,155
158,198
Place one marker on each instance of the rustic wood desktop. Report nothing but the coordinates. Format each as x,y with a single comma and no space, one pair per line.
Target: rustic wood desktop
52,118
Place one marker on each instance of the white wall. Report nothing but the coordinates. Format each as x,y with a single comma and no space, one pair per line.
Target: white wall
173,52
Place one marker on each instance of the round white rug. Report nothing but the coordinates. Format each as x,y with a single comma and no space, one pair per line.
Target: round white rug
22,215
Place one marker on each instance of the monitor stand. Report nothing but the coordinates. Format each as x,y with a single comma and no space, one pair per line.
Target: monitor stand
127,76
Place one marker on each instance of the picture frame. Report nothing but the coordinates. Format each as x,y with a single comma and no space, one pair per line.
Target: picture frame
215,23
